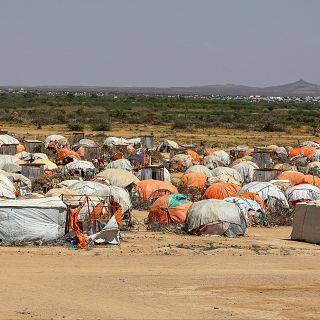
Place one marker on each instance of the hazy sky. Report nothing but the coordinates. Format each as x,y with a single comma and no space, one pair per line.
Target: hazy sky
159,42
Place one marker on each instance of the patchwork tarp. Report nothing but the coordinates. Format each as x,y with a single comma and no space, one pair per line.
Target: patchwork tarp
32,220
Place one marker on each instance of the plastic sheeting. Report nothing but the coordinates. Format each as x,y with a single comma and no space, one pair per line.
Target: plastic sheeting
120,164
228,171
200,169
32,220
303,192
119,177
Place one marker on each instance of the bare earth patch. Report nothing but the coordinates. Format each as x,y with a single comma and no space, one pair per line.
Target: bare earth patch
155,275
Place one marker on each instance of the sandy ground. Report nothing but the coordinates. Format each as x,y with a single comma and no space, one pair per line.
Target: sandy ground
157,275
218,136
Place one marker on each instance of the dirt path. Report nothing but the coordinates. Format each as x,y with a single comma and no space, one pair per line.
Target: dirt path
156,275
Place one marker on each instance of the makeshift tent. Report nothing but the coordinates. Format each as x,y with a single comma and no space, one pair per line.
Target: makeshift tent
120,195
306,222
110,141
215,217
79,165
167,146
65,153
48,165
169,209
199,169
182,161
194,155
120,164
212,162
87,187
87,143
302,192
294,177
8,140
56,138
246,170
147,188
252,210
67,183
193,180
313,168
223,178
223,156
227,171
266,191
119,177
253,196
304,151
33,220
221,190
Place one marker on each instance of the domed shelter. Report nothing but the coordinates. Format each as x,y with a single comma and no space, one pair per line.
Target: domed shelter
223,178
267,192
119,177
79,165
294,177
120,195
200,169
221,190
169,209
181,162
246,170
87,188
120,164
153,189
212,162
193,180
227,171
223,156
215,217
302,193
313,168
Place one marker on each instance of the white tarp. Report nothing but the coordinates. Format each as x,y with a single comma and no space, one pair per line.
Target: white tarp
6,139
120,164
109,234
32,220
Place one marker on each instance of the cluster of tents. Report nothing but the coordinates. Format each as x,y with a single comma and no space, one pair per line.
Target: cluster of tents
200,190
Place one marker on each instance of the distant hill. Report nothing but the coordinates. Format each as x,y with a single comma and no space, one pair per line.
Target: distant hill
299,88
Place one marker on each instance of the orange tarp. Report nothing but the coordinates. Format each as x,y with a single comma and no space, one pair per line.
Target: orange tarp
309,179
294,177
160,213
195,157
305,151
64,153
221,190
193,180
82,242
146,188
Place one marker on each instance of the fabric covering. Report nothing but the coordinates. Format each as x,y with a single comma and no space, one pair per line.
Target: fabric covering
206,212
120,164
200,169
119,177
120,195
146,188
7,139
169,208
294,177
221,190
31,220
193,180
266,191
227,171
303,192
